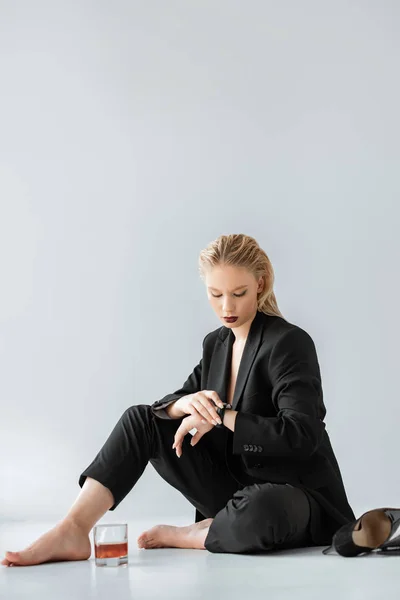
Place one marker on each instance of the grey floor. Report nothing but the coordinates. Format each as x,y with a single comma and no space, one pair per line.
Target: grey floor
175,573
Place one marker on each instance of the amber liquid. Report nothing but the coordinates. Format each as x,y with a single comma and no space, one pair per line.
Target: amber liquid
117,550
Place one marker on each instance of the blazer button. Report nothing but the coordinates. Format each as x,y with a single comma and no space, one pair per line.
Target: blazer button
245,446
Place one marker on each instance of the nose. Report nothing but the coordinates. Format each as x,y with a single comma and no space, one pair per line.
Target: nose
228,310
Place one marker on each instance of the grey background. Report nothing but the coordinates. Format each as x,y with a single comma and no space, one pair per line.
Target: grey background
133,134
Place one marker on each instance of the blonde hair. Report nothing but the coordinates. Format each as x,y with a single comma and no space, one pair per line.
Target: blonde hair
240,250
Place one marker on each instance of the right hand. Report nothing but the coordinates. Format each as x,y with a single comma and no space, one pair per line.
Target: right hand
201,405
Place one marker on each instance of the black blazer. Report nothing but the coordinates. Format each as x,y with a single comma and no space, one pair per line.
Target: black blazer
280,433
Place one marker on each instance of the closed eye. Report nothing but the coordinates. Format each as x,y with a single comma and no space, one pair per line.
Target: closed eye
237,295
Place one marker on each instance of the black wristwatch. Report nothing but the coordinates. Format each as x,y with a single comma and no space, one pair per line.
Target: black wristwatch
220,413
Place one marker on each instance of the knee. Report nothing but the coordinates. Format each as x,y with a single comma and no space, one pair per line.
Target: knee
276,503
265,500
254,519
141,412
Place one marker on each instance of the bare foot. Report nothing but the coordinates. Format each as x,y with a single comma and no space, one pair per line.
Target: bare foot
65,541
169,536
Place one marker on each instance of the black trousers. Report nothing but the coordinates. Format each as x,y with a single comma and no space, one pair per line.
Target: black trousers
247,518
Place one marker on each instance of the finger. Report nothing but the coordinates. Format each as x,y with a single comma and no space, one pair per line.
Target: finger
215,397
181,431
202,413
206,410
196,438
179,435
175,446
179,450
199,415
177,442
212,412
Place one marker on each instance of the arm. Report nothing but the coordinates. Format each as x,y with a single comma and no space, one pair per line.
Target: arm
166,407
230,418
297,430
173,411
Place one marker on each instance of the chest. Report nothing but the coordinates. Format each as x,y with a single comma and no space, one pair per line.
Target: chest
235,364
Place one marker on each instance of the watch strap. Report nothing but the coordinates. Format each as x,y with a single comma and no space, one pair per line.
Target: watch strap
221,413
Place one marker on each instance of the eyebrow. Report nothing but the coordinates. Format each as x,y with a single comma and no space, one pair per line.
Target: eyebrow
236,288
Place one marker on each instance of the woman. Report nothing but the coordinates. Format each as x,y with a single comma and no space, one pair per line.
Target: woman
260,470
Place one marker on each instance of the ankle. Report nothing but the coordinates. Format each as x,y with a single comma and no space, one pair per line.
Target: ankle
72,522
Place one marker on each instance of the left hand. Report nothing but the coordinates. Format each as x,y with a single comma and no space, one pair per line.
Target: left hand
188,423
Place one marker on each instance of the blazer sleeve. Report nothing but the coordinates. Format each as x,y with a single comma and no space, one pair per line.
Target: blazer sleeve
297,430
191,385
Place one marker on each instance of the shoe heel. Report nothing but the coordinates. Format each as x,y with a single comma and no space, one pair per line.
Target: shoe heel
392,543
377,529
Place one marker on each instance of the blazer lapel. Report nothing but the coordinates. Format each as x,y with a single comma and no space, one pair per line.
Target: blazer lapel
221,360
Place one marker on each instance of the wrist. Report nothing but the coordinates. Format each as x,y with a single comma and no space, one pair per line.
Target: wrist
221,413
174,410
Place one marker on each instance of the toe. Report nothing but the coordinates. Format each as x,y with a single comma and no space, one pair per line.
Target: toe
13,557
20,558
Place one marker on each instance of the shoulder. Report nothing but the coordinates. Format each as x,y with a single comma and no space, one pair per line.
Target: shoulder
287,345
211,337
280,331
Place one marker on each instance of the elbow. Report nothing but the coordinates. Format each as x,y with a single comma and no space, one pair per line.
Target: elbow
308,438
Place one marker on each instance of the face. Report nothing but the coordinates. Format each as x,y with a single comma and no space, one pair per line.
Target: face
232,291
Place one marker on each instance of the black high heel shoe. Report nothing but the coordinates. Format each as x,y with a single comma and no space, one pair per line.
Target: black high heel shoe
377,529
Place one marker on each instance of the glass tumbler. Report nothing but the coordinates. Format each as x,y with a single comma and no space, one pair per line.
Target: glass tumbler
111,544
